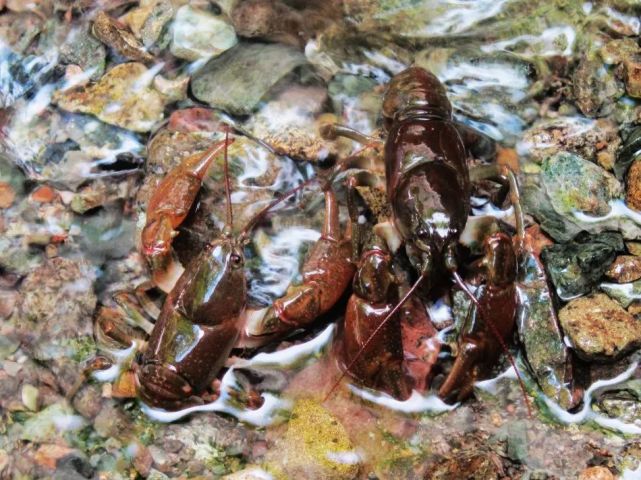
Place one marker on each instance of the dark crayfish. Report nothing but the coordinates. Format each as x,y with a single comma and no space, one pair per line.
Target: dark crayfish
428,188
204,315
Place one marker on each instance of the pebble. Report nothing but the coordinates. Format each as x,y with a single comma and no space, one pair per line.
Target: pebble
174,90
148,20
85,51
632,76
634,248
48,455
122,97
44,194
596,473
574,184
53,319
575,267
111,33
595,88
626,268
625,293
312,446
7,195
269,20
199,34
8,299
30,397
599,328
237,80
591,139
633,195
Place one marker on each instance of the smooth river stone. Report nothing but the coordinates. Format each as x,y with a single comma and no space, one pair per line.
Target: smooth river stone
237,80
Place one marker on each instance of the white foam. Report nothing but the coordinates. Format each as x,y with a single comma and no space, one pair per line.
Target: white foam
289,356
120,358
460,15
586,413
66,423
549,39
416,403
344,458
491,385
268,412
439,311
618,209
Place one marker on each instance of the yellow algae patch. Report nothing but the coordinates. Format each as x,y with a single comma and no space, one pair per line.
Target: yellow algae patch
315,445
122,97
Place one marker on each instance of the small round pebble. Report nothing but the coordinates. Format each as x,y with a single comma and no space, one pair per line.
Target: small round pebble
625,269
596,473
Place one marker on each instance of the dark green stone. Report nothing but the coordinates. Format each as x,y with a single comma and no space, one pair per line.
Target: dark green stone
576,267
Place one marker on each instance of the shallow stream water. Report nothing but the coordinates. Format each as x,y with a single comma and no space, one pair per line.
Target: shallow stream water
99,99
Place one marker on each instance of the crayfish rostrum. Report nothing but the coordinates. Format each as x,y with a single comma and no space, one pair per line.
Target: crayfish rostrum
387,340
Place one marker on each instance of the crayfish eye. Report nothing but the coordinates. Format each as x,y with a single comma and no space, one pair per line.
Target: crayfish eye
236,260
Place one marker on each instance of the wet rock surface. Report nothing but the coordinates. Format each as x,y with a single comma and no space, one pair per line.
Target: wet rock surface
575,267
199,34
122,97
598,328
625,268
231,81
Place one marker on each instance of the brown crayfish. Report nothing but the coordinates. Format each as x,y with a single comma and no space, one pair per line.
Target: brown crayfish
388,341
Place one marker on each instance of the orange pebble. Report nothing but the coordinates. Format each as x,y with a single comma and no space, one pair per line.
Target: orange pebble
44,194
508,157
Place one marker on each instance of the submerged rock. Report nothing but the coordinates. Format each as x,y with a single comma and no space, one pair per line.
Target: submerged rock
538,328
595,88
626,268
632,76
596,473
199,34
469,465
288,124
122,97
599,328
624,293
148,20
83,49
111,33
237,80
54,317
576,267
574,184
270,20
594,140
633,194
18,30
623,403
569,195
47,425
628,153
315,445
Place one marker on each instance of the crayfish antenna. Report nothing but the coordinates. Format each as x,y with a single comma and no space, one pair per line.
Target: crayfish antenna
409,293
230,213
496,333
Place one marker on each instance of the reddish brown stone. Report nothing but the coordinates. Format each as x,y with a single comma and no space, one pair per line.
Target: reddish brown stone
7,195
633,196
625,268
596,473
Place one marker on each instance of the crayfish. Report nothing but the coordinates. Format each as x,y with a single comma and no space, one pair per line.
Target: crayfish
388,341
